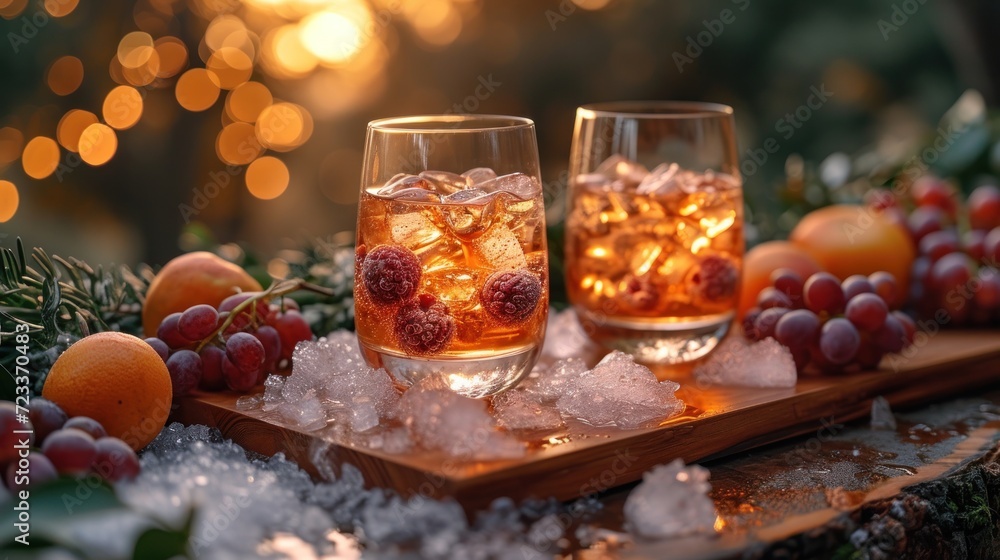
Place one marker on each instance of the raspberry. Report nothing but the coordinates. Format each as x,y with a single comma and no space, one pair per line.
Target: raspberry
639,293
511,296
715,278
390,273
423,325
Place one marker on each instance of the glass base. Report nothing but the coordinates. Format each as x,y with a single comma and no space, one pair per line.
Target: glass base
476,377
657,341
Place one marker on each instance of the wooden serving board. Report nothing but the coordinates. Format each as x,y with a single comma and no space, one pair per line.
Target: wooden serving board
579,461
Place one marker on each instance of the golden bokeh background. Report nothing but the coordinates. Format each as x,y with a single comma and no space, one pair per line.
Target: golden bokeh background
122,122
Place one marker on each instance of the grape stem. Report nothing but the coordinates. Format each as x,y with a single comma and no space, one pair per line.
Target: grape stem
276,289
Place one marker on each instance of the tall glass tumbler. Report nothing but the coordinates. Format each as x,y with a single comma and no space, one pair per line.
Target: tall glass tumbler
654,233
451,276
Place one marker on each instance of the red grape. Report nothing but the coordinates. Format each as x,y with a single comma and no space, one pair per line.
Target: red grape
87,425
771,297
243,320
891,336
867,312
822,293
161,347
973,244
246,353
115,460
71,451
789,283
185,369
46,417
869,355
236,379
885,286
856,284
293,329
168,333
8,439
930,191
950,272
924,220
198,322
988,295
880,199
211,370
984,207
839,341
937,244
38,470
991,248
797,329
275,308
766,322
271,341
749,318
909,327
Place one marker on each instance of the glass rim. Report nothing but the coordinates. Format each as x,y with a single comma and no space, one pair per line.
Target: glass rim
450,123
655,109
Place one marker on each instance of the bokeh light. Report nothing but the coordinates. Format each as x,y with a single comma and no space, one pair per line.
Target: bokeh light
98,144
135,49
60,8
71,127
11,144
333,37
592,4
247,100
122,107
9,200
284,126
65,75
436,22
145,73
10,9
197,89
40,157
173,55
237,144
284,55
267,178
231,67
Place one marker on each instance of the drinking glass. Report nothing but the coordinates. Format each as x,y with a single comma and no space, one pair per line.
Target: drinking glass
451,277
654,232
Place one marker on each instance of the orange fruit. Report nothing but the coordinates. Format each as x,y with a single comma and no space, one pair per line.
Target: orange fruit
116,379
762,260
848,239
191,279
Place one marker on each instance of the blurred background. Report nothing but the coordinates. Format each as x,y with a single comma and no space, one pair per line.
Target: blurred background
131,130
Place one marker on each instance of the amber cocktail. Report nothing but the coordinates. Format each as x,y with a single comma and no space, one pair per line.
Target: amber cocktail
451,275
654,235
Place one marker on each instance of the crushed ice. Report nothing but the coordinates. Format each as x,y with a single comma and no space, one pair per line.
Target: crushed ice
739,362
671,501
882,417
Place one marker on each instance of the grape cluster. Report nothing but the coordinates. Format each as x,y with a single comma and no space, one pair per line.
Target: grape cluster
829,324
955,279
59,446
235,345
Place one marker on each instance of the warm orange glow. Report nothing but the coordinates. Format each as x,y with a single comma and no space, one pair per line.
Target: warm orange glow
247,100
9,201
10,9
122,107
284,126
720,524
231,66
437,22
267,178
331,36
592,4
71,127
287,56
237,144
197,89
40,157
60,8
173,56
98,144
145,73
11,144
65,75
135,49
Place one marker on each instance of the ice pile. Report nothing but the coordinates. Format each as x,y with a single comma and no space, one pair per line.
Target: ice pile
521,409
739,362
565,338
671,501
618,173
882,417
476,186
619,392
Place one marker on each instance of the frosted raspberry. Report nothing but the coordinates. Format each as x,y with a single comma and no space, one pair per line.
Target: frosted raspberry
639,293
424,326
512,295
390,273
715,279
